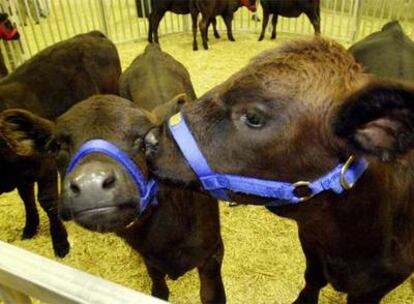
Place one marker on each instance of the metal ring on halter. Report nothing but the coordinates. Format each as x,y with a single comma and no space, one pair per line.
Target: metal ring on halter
303,184
345,168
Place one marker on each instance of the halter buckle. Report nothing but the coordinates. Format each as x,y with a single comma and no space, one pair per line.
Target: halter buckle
344,169
303,184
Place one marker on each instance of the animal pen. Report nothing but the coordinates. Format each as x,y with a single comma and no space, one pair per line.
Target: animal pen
345,20
263,262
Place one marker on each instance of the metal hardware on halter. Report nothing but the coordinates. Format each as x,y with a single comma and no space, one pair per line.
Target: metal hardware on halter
345,168
303,184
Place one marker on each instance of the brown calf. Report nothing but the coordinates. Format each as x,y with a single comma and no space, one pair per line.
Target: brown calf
293,114
48,84
180,233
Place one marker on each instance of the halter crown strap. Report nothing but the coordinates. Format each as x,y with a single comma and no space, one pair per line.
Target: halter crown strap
341,178
147,190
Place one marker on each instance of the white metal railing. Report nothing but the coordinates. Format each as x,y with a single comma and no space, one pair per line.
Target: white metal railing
24,274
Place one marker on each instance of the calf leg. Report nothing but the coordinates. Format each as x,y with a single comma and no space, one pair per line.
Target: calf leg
315,19
264,24
159,286
212,289
150,27
314,277
274,23
26,192
214,22
203,31
154,22
48,199
228,19
194,17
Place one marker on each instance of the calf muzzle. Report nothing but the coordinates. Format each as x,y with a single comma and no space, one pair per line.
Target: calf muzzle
107,193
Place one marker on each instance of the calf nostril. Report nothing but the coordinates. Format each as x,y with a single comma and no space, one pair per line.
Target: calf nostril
74,188
109,182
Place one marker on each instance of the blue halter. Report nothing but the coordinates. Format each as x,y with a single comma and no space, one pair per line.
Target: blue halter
147,190
341,178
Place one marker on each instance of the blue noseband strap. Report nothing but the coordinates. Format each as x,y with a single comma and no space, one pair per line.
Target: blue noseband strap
342,177
147,189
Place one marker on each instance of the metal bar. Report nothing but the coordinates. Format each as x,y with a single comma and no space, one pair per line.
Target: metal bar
112,16
22,29
71,17
65,22
131,29
104,18
121,14
93,16
81,13
52,32
52,282
41,26
55,17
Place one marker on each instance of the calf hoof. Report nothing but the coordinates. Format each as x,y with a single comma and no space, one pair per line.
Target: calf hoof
232,39
160,292
29,232
205,46
61,248
217,35
195,48
307,296
273,37
261,38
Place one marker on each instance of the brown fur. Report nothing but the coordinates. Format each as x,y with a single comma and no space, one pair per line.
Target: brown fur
317,108
48,84
179,234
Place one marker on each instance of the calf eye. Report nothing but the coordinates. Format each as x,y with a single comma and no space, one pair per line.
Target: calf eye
253,119
53,147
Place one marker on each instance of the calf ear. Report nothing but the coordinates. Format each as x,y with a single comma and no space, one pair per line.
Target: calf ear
24,132
378,119
170,108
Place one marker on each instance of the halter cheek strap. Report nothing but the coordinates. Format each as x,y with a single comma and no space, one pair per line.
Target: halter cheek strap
341,178
147,189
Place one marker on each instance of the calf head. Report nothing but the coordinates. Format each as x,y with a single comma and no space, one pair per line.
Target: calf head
7,30
250,4
98,191
292,114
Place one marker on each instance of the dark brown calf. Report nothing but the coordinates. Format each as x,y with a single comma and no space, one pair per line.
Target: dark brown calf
293,114
292,8
48,84
209,9
154,78
159,8
180,233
